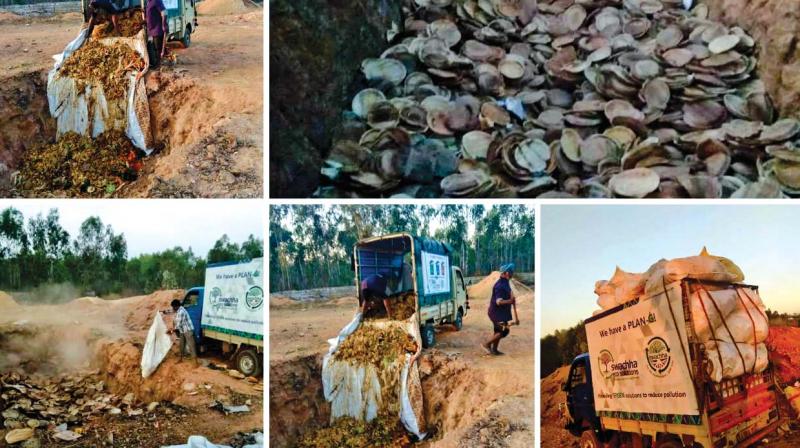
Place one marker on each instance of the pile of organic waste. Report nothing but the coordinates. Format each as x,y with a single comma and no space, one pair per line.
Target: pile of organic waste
562,98
374,345
107,65
129,23
80,166
403,306
383,431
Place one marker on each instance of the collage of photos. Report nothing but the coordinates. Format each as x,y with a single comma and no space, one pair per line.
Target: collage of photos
399,223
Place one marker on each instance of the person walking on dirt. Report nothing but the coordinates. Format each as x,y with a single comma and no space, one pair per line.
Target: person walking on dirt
500,309
373,289
155,14
183,327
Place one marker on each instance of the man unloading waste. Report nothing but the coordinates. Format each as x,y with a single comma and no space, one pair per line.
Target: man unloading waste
155,16
373,290
500,306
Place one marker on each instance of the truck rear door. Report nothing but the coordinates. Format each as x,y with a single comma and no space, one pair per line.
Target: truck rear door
580,396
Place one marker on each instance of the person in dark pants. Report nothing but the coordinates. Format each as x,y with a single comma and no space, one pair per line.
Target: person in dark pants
155,14
373,289
95,6
500,309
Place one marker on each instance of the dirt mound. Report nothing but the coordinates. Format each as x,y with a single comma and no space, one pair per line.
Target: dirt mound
783,344
553,432
483,289
221,7
276,301
143,308
10,17
7,302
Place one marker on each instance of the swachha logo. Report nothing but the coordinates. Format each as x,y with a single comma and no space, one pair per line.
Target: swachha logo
254,298
659,359
220,303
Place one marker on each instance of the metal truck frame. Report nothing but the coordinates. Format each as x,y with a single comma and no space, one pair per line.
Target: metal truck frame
733,413
181,20
432,309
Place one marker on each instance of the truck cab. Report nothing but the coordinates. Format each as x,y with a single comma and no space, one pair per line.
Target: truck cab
419,265
580,412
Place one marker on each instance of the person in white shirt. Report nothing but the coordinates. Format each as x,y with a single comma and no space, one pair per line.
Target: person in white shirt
184,329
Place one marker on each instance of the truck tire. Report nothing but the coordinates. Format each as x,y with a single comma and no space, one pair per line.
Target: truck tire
459,322
248,362
428,335
669,443
186,40
589,440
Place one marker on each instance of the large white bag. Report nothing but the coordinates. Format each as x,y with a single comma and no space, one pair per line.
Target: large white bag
755,359
156,346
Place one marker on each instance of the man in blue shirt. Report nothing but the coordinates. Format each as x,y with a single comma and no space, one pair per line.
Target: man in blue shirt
500,309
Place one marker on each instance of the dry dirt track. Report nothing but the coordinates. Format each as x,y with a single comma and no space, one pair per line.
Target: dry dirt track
206,110
479,400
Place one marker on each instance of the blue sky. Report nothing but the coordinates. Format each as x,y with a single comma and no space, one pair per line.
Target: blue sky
152,225
582,244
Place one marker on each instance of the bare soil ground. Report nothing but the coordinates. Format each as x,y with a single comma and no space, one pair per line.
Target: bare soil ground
471,399
112,334
206,110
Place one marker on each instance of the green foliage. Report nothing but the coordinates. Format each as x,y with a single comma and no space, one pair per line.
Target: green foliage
560,348
311,245
41,254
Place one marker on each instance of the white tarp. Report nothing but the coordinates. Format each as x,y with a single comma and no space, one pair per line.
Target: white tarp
233,301
435,273
156,346
355,390
87,111
637,358
202,442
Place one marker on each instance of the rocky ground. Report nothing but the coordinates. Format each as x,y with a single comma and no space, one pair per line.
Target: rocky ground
470,399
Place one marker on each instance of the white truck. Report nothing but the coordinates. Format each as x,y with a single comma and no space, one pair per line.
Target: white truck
647,380
227,312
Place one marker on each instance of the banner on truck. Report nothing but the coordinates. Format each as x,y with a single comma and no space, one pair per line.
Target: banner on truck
435,273
639,359
233,301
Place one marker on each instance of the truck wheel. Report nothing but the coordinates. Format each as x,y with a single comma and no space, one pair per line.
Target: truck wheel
589,440
186,40
459,322
428,336
669,443
248,362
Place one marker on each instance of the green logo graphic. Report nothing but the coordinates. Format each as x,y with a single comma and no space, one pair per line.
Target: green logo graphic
254,298
659,358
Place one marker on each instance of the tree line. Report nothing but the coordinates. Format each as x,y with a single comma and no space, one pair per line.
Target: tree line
38,251
311,245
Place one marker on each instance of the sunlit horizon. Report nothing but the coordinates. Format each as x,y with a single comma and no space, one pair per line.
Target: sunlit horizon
583,244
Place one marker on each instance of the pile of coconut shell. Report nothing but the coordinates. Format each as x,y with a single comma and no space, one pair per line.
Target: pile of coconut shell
53,404
376,346
383,431
106,64
129,24
563,98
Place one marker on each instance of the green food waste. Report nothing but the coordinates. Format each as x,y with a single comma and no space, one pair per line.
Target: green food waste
375,346
347,432
80,166
107,65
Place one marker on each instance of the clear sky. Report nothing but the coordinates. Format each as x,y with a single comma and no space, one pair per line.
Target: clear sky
152,225
582,244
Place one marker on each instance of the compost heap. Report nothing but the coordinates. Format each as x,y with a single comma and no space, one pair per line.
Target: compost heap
98,98
730,321
497,98
371,380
